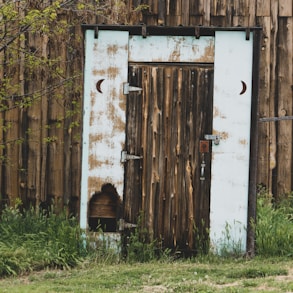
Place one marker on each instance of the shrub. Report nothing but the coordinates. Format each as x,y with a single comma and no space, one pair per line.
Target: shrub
30,241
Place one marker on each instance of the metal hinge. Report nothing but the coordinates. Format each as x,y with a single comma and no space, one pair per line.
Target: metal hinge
214,137
128,88
125,225
125,157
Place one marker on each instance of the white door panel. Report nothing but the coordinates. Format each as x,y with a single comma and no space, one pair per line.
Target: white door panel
231,120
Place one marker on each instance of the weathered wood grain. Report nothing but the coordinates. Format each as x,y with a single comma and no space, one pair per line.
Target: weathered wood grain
264,103
284,98
55,169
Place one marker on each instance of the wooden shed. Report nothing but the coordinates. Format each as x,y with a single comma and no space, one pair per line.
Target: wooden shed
41,119
170,121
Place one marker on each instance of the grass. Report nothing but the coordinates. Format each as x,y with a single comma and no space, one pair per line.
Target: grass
209,274
45,253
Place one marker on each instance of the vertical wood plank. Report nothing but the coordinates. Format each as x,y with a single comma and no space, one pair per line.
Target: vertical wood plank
252,13
285,8
218,7
55,123
34,114
264,104
273,91
262,8
12,125
133,176
206,7
284,151
3,198
74,67
241,12
185,12
161,12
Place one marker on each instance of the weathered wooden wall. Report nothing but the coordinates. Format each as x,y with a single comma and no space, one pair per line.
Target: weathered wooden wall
41,144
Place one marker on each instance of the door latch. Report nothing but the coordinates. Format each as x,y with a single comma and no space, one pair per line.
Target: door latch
125,225
214,137
128,88
125,157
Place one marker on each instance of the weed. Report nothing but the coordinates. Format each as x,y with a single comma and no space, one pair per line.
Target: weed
140,248
31,240
273,227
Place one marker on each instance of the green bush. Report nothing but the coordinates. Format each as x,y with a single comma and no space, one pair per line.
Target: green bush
30,241
274,226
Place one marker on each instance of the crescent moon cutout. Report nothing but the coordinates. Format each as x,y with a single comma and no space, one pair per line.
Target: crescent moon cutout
98,85
244,87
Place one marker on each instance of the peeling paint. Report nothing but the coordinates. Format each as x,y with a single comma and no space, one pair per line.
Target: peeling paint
176,49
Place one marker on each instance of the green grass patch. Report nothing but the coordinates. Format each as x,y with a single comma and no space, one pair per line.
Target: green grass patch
33,241
178,276
274,225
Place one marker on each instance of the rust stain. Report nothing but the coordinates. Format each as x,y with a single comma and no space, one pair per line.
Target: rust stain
92,114
122,104
217,113
119,124
92,117
112,50
94,137
112,72
93,96
195,49
98,72
93,162
95,184
243,141
95,47
209,52
224,135
175,56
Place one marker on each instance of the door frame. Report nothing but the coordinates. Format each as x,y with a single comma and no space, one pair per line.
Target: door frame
198,33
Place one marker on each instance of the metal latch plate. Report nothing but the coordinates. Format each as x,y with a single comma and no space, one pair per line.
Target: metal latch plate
125,157
214,137
128,88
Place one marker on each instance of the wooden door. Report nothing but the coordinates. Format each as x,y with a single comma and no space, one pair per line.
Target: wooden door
164,125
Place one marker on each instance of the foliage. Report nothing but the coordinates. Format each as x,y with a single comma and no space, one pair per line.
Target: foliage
140,248
202,241
274,225
30,241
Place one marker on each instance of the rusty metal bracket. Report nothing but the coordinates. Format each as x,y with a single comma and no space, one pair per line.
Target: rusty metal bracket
144,31
96,32
247,34
197,32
